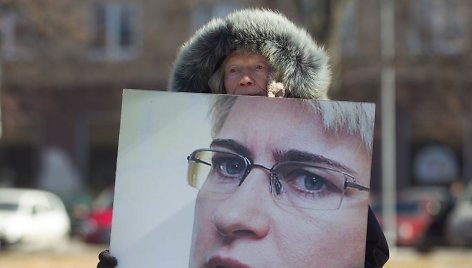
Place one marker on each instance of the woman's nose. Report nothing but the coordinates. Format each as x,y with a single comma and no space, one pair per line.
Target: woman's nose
247,212
246,80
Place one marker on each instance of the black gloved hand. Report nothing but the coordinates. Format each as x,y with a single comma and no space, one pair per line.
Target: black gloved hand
106,260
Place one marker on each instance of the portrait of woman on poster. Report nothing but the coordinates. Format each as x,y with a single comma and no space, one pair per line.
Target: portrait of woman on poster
284,183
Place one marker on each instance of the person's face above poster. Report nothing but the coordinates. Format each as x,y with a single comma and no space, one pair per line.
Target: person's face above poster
246,74
284,183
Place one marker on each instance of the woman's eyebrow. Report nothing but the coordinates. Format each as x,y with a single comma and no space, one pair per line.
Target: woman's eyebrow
233,146
317,159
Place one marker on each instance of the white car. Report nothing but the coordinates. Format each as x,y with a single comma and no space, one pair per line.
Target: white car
32,218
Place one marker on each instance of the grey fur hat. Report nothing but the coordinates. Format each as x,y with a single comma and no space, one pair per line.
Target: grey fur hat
301,65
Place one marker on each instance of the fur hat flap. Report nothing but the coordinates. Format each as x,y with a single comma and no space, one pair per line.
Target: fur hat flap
300,64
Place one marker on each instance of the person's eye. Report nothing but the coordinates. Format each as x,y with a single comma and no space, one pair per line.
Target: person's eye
229,166
232,69
310,184
260,67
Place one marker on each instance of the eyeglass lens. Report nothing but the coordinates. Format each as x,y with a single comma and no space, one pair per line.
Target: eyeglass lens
295,184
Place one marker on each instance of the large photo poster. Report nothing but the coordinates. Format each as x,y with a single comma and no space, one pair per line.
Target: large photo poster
239,181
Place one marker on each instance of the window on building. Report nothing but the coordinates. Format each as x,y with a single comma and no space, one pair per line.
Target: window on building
202,13
114,31
7,35
349,30
449,26
438,27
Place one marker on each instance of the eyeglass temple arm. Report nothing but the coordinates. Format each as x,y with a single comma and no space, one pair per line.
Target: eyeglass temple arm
194,159
355,185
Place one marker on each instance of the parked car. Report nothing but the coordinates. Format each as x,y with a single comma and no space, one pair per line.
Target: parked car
459,226
31,217
421,216
96,227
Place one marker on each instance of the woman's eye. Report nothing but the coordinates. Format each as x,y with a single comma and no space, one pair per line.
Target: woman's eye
229,166
310,182
232,69
306,182
260,67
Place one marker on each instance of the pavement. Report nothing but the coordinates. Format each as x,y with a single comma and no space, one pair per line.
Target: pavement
443,257
74,254
79,255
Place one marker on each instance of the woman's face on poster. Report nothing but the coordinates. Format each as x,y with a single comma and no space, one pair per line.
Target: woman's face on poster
250,227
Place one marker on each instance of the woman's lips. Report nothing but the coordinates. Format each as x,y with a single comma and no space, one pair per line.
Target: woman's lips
221,262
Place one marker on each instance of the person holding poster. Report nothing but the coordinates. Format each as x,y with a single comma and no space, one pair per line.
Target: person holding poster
295,66
284,183
269,56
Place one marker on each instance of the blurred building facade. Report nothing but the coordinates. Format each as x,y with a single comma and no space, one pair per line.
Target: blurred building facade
64,65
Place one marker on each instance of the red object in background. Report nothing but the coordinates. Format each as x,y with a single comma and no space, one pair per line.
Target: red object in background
417,210
96,227
412,222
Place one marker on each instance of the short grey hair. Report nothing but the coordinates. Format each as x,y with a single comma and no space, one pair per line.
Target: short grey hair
338,117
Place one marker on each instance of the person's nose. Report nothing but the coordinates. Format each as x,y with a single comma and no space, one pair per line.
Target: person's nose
247,212
246,80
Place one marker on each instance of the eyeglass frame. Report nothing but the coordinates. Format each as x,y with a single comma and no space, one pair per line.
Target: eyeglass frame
250,165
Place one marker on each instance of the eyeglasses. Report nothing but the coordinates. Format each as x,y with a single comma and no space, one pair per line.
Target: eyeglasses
296,184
